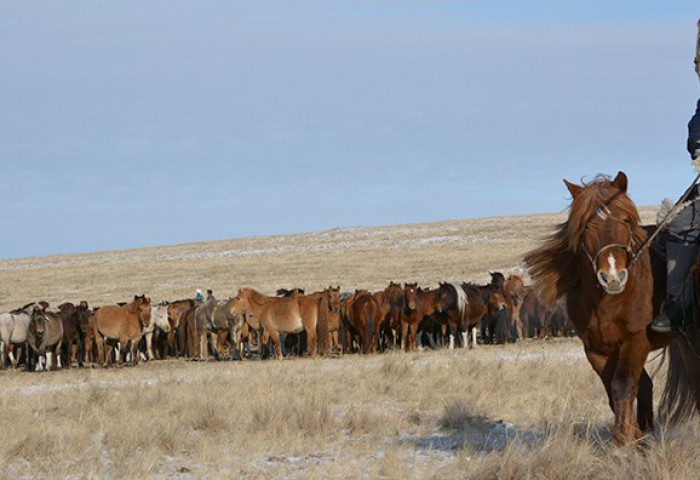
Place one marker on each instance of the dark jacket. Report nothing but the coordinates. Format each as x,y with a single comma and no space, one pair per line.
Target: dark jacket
694,133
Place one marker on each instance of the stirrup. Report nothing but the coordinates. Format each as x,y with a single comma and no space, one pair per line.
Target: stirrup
670,320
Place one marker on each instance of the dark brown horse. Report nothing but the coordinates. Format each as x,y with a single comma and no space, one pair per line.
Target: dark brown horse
75,325
532,314
586,268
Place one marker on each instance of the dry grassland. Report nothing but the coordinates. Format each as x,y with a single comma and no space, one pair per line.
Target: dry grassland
530,410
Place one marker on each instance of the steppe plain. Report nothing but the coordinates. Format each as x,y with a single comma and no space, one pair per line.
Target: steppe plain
533,409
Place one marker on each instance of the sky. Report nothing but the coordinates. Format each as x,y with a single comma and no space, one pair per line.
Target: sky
129,123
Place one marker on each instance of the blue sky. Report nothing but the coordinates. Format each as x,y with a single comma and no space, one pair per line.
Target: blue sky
137,123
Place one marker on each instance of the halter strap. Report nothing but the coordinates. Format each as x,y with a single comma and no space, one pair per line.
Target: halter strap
594,260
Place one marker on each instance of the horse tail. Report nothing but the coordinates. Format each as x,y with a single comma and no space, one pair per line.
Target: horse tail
681,395
369,327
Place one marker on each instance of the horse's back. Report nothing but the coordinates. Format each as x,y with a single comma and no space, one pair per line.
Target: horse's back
112,321
15,327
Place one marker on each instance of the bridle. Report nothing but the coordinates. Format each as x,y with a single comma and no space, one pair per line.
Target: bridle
632,255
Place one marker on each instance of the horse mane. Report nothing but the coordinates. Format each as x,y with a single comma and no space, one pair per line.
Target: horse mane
552,266
256,296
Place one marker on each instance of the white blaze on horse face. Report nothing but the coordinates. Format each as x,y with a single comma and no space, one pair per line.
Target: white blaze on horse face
613,280
611,263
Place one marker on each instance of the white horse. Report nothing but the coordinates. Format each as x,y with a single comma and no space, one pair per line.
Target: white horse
159,318
14,328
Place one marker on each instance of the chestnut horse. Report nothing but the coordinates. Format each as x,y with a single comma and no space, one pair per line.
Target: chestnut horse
390,301
589,268
418,304
124,324
361,317
280,314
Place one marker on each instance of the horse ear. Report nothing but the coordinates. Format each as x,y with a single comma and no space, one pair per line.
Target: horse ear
620,182
573,188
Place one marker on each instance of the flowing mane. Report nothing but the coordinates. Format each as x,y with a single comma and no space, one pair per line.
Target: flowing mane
552,266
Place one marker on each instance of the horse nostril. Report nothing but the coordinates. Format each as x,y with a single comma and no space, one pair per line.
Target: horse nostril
602,278
623,277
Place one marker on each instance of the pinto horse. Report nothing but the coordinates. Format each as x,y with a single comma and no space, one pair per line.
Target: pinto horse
589,268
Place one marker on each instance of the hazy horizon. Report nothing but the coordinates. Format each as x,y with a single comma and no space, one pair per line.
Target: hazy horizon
131,124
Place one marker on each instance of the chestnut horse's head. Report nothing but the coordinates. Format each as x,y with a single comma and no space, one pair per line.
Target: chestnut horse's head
604,226
240,305
410,291
333,298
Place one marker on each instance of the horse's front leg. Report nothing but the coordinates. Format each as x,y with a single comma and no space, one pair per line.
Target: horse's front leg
625,386
311,340
404,334
605,368
275,336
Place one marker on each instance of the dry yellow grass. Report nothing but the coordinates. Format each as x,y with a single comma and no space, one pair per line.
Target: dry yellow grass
352,257
530,410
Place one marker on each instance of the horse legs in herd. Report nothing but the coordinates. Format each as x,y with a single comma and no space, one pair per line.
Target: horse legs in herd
149,345
404,334
275,336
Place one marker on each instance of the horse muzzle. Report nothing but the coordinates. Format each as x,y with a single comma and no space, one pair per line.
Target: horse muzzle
613,284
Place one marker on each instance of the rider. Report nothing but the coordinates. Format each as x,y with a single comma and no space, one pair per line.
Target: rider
682,246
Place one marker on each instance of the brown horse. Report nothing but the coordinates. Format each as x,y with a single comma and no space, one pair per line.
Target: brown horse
532,314
361,316
418,304
513,293
280,314
586,267
124,324
332,326
75,325
390,301
177,338
492,303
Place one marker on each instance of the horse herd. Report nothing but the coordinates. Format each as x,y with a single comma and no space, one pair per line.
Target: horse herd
329,322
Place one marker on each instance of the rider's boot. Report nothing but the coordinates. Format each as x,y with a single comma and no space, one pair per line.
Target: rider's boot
676,309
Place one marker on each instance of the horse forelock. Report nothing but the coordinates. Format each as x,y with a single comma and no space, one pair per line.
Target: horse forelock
599,201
